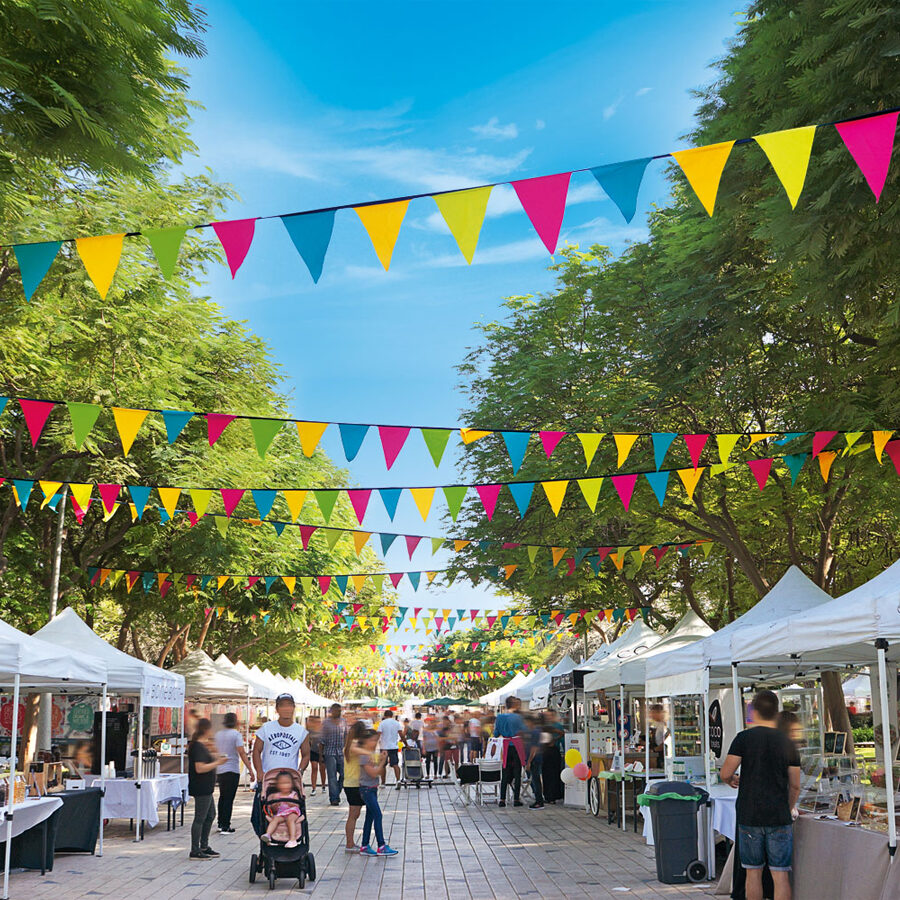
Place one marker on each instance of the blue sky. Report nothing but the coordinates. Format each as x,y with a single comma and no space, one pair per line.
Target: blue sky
319,104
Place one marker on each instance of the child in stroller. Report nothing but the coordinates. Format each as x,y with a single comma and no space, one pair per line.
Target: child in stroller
282,807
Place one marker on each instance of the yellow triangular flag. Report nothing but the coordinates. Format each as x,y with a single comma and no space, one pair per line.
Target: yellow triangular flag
703,167
557,553
879,439
382,221
221,581
128,422
81,494
310,434
851,437
109,513
624,443
463,211
726,444
690,478
169,497
590,489
359,581
589,443
359,540
50,488
290,582
556,492
757,436
200,497
826,458
470,435
100,256
430,576
423,498
719,468
460,545
789,152
618,559
295,502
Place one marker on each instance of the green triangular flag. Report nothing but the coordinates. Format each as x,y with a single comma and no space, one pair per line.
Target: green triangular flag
436,442
378,582
455,496
532,553
306,583
222,524
326,501
84,417
332,536
264,431
166,242
436,544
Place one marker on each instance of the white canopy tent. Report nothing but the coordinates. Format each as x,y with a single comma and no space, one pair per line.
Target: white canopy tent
29,662
238,670
492,698
638,639
540,687
861,627
537,675
637,631
859,687
204,680
126,675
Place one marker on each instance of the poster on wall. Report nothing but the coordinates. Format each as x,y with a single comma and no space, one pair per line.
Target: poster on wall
72,717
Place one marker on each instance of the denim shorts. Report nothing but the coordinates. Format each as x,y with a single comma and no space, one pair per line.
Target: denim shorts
767,844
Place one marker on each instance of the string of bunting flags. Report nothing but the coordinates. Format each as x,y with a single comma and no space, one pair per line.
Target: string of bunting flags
129,421
869,140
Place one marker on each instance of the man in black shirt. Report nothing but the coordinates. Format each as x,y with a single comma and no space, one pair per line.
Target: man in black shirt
768,790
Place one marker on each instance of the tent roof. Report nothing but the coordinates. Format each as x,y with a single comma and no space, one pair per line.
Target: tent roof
639,632
204,680
493,696
239,671
834,634
858,686
793,593
158,687
628,667
37,661
526,691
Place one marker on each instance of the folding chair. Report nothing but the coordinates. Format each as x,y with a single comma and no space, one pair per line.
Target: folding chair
490,771
467,779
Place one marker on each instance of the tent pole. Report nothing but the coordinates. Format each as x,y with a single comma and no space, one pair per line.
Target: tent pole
882,645
622,759
11,792
182,748
138,767
738,704
646,742
707,770
102,763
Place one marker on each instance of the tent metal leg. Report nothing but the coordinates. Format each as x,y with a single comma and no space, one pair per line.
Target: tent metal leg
11,793
881,645
102,763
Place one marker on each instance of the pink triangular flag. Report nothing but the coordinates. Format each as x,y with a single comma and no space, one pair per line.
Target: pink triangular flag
216,423
549,440
324,583
412,541
393,437
821,440
695,444
251,580
544,201
489,494
624,485
892,448
164,588
491,620
871,143
109,493
359,499
395,578
230,498
659,553
306,532
193,519
760,469
79,512
603,552
36,412
235,237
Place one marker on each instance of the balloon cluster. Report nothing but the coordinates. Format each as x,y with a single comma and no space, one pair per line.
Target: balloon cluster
577,770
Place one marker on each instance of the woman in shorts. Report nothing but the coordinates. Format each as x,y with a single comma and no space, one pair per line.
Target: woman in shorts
352,752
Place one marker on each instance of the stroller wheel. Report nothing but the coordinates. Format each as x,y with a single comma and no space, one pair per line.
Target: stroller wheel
254,863
272,878
310,867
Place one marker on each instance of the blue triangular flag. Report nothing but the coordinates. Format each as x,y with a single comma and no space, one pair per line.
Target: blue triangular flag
340,608
279,527
148,579
794,462
401,611
34,262
23,491
661,443
386,541
3,402
516,445
622,181
450,623
204,581
139,496
659,481
270,580
790,436
521,492
414,578
595,564
486,545
580,554
175,422
390,497
504,621
341,581
264,501
53,502
163,514
311,234
352,437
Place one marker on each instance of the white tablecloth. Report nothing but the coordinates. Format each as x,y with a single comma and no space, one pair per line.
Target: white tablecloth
28,814
724,812
120,802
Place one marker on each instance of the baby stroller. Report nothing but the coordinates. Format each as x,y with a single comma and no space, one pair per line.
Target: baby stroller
276,860
411,770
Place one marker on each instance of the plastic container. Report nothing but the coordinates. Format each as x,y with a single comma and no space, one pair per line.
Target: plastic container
674,807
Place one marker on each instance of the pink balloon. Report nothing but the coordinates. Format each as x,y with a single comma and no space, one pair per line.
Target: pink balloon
581,771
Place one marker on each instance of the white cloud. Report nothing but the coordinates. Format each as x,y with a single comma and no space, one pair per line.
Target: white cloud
612,109
493,129
540,124
641,91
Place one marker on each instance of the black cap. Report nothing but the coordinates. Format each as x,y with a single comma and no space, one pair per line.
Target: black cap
281,697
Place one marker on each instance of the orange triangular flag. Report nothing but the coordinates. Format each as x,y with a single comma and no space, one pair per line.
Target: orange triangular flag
826,458
359,540
382,221
703,167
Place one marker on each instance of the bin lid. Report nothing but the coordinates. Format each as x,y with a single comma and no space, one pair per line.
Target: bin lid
672,790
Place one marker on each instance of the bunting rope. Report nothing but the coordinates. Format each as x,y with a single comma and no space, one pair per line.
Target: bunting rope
264,429
869,139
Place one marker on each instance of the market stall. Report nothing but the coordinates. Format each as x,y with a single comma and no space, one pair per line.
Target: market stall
498,695
28,662
128,676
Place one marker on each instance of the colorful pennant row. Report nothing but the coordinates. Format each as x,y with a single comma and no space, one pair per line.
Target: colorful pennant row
128,422
489,494
869,140
339,668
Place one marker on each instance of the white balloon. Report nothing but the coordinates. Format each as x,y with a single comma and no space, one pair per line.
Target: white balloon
568,776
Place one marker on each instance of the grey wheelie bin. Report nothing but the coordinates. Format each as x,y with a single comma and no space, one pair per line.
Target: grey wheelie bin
674,807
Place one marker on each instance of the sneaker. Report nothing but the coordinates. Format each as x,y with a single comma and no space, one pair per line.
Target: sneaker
226,831
291,844
398,786
517,803
354,849
536,806
502,804
199,855
335,802
386,851
266,838
367,851
209,852
312,793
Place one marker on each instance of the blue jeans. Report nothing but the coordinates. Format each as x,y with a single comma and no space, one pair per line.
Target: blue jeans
762,844
373,816
334,766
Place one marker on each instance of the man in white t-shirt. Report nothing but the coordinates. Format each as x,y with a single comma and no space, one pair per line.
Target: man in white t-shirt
283,742
474,736
390,738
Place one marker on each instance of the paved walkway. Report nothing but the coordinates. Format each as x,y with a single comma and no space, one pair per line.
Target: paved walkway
447,851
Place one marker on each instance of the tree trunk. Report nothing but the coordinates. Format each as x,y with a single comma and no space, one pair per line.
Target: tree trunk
28,747
167,647
836,708
204,631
